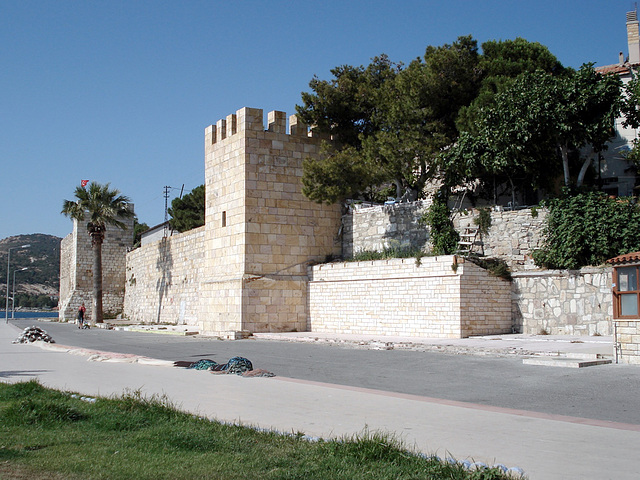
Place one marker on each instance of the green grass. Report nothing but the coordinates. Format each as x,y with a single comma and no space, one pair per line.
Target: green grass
386,254
47,434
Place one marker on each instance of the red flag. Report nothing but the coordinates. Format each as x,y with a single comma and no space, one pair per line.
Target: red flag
83,183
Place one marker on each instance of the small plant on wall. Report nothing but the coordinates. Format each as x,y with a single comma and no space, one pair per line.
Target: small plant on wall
483,221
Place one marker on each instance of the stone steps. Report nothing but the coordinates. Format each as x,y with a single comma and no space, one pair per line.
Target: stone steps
569,361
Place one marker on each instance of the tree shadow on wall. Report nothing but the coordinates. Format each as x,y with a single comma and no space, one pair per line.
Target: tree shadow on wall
403,228
164,264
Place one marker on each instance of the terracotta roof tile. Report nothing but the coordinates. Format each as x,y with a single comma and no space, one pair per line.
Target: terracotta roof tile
615,68
626,258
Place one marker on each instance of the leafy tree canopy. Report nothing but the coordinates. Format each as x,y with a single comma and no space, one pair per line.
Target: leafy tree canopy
501,62
390,123
535,124
188,212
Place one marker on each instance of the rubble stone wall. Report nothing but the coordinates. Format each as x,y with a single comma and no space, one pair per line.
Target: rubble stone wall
437,298
379,227
574,302
163,280
513,235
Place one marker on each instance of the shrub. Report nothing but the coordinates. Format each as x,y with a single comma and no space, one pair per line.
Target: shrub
444,237
587,229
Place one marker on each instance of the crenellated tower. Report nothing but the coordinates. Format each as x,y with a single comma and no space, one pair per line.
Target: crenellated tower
261,232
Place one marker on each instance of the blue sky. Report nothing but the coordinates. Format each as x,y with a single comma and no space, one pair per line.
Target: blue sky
121,91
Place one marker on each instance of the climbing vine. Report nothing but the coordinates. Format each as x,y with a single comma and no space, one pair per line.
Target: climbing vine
587,229
443,235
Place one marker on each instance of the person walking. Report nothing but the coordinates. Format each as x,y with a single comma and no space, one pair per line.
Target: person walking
81,311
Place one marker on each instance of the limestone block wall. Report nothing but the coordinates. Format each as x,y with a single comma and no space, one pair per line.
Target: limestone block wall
375,228
260,231
163,280
399,297
76,264
513,235
576,302
628,338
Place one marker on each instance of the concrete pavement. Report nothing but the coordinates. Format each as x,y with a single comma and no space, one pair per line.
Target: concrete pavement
544,446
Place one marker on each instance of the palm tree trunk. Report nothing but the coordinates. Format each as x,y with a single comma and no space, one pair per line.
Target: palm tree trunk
97,278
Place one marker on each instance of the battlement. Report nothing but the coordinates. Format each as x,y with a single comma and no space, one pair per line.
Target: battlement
251,119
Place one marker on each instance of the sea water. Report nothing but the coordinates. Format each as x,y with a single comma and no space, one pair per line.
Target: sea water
30,314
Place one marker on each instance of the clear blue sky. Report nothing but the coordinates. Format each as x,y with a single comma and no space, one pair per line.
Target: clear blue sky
121,91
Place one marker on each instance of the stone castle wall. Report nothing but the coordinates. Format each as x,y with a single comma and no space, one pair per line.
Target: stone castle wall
260,231
163,280
67,276
399,297
247,269
76,278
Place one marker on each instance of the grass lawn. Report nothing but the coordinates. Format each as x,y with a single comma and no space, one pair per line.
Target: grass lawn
48,434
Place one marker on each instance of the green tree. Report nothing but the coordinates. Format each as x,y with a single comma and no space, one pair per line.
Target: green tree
344,109
443,236
631,111
390,123
188,212
101,206
501,62
138,230
536,123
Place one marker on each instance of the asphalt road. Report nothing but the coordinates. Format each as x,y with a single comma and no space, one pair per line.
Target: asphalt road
608,392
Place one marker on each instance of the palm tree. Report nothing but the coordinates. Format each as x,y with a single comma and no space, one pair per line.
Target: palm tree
102,206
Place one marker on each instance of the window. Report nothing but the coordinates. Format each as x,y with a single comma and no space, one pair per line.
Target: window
224,219
626,292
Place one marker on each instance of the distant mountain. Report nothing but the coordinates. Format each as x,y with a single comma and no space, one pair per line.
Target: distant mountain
42,260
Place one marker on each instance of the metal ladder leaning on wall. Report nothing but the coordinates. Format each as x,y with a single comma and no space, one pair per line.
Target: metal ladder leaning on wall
467,240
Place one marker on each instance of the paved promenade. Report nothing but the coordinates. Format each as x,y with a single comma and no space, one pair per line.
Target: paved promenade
544,446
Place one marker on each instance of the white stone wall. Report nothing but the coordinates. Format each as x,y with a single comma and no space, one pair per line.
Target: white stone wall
378,227
401,298
163,280
563,302
261,232
513,235
628,339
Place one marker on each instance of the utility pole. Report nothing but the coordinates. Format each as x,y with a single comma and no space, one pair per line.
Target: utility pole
166,208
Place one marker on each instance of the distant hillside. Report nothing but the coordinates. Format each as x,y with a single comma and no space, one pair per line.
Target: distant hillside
42,260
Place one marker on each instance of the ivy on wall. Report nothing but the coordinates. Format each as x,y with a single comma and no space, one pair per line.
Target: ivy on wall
444,237
587,229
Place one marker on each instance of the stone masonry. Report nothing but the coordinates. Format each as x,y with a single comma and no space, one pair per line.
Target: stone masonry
163,280
261,233
513,235
628,341
380,227
557,302
440,297
76,278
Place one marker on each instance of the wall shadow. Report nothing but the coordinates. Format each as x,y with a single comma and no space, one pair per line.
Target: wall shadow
164,265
